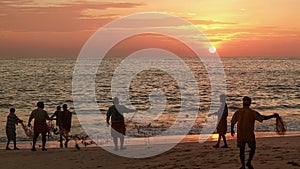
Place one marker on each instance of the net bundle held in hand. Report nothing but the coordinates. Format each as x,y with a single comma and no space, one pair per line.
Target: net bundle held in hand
280,126
28,130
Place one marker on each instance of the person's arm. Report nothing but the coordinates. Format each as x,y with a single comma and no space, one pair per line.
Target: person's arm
108,114
47,116
18,120
30,118
54,115
223,109
233,122
127,110
260,117
71,117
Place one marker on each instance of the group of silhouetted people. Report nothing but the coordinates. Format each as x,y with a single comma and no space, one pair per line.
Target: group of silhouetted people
245,118
63,121
40,116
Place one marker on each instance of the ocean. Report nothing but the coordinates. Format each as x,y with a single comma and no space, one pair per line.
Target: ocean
273,83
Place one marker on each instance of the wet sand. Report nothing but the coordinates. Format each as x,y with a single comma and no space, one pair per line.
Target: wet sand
272,153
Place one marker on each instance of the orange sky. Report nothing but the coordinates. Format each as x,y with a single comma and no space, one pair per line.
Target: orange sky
58,28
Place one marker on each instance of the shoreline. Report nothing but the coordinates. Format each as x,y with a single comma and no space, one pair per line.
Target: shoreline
191,138
272,152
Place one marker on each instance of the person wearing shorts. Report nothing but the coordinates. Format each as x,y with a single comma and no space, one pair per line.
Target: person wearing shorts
245,118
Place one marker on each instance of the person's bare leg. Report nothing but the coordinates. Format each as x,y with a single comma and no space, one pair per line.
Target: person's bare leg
225,142
15,144
7,145
35,136
251,155
218,143
60,141
122,142
44,142
242,156
116,143
67,141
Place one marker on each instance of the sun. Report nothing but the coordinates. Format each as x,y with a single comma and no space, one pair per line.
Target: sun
212,49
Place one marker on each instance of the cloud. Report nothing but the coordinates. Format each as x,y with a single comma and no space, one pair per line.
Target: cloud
26,15
253,33
64,3
209,22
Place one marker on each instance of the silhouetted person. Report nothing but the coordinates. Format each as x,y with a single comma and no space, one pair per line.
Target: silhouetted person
115,112
245,118
65,123
40,126
58,115
222,121
11,122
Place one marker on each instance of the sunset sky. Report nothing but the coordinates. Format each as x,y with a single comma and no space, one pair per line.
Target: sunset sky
59,28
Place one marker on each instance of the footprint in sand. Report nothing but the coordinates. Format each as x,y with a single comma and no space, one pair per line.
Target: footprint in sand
293,163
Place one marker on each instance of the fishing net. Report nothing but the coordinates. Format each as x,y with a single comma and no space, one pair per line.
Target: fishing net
280,126
77,137
28,130
84,139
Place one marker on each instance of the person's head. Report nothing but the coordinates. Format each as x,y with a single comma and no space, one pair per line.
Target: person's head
58,108
40,105
65,106
116,101
247,101
222,98
12,110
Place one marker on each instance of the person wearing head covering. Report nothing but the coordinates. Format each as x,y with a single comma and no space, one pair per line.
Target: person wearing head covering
118,129
40,126
245,118
222,121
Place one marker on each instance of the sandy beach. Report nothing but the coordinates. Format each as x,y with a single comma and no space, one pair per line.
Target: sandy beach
272,153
